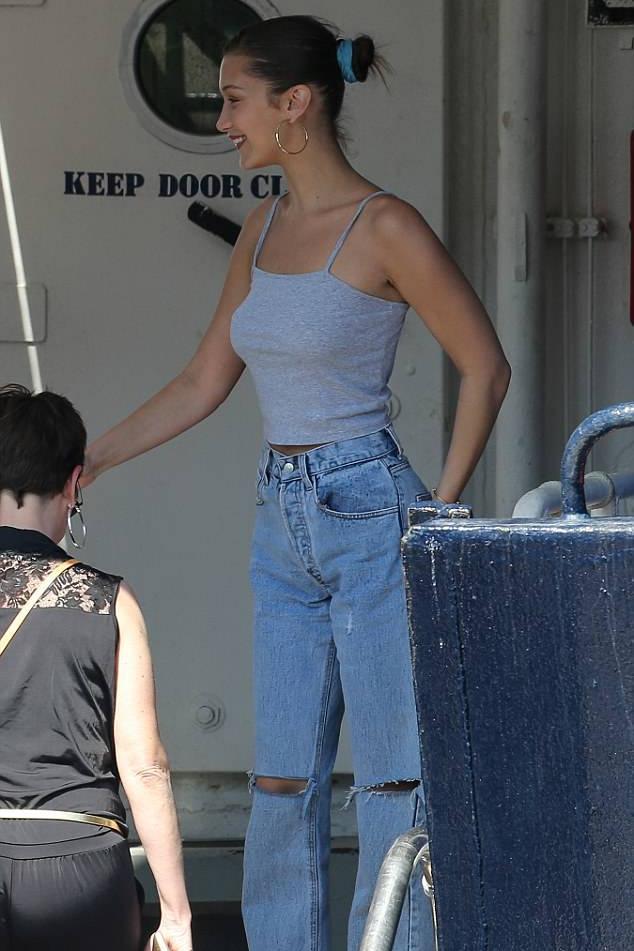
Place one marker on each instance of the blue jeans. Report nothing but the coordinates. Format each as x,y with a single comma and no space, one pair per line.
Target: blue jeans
330,629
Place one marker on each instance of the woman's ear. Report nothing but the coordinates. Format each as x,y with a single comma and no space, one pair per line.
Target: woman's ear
299,99
70,489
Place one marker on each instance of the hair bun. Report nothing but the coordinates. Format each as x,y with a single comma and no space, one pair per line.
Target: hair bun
363,57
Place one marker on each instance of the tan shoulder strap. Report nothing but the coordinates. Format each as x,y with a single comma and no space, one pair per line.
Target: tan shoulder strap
41,589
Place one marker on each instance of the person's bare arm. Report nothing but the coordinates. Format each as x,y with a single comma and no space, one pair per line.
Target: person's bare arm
427,277
200,387
144,771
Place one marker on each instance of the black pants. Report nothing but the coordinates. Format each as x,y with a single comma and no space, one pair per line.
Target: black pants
86,900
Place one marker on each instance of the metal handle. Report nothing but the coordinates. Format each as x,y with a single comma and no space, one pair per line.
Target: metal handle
406,853
573,461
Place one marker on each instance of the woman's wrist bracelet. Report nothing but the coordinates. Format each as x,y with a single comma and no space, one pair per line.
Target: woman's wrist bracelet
439,498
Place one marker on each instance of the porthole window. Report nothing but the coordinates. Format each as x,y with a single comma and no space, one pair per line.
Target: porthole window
170,63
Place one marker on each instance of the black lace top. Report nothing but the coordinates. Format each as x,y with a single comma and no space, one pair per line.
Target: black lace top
57,683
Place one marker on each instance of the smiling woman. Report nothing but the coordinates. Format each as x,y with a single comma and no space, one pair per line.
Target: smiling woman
314,303
264,59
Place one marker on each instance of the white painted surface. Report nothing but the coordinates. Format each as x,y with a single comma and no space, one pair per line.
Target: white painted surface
521,126
131,286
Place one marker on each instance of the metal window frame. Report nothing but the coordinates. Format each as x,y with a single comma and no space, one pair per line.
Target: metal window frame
609,13
151,122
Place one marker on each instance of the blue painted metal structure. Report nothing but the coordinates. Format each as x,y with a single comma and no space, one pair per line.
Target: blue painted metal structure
523,637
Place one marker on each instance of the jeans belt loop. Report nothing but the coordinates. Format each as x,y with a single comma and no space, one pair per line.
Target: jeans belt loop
389,429
268,465
303,469
264,476
258,492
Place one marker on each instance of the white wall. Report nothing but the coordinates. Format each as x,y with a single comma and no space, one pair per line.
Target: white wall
131,286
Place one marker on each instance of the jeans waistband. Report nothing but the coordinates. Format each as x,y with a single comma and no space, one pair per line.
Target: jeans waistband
333,455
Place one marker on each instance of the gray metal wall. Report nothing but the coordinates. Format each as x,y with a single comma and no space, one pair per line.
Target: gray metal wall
587,336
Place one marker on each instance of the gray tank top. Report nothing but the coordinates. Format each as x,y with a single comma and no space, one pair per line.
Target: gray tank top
320,351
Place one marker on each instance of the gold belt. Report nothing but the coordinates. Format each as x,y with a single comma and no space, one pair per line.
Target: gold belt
104,821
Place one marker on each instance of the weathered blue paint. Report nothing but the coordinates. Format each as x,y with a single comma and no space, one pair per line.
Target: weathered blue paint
523,637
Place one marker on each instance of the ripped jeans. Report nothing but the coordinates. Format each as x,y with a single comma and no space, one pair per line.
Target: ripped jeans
331,629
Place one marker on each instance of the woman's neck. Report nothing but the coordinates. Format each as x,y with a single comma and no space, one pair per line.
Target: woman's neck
35,514
320,178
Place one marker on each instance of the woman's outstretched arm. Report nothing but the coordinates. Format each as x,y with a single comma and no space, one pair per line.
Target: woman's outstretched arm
200,387
144,771
422,270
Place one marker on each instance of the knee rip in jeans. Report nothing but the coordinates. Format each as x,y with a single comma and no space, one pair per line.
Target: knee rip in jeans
388,788
280,786
284,788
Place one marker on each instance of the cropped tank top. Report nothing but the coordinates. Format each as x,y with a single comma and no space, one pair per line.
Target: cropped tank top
57,683
319,350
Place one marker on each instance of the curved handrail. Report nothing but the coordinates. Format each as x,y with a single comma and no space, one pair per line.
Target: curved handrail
573,461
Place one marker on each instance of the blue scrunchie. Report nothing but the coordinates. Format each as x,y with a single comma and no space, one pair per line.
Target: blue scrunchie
344,58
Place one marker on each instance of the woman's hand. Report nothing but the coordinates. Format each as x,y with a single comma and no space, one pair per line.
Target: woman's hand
171,937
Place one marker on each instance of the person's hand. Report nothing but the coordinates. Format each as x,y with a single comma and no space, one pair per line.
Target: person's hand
171,937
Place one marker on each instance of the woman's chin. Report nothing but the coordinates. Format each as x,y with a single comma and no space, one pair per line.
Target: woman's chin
248,160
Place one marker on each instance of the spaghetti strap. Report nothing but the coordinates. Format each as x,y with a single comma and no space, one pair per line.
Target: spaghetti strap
348,229
265,229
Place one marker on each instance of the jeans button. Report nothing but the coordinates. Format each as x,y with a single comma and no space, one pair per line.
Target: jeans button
288,467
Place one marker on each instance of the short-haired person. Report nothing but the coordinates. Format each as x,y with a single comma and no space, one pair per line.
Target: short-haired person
314,303
77,714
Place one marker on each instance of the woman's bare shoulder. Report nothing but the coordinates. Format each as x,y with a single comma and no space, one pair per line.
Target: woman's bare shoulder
255,219
392,214
128,610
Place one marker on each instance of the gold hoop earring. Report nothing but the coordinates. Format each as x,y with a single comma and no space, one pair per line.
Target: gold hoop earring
279,141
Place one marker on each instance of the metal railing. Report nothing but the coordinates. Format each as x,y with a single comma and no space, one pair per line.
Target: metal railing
409,852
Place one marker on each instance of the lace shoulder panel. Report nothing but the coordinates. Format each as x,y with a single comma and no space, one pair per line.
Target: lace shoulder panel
80,586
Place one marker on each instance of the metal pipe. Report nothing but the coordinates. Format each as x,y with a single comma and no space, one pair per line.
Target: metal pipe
545,500
602,490
622,488
408,851
20,275
520,239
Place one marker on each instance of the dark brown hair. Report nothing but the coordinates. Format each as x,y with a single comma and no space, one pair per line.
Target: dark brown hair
42,439
291,50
